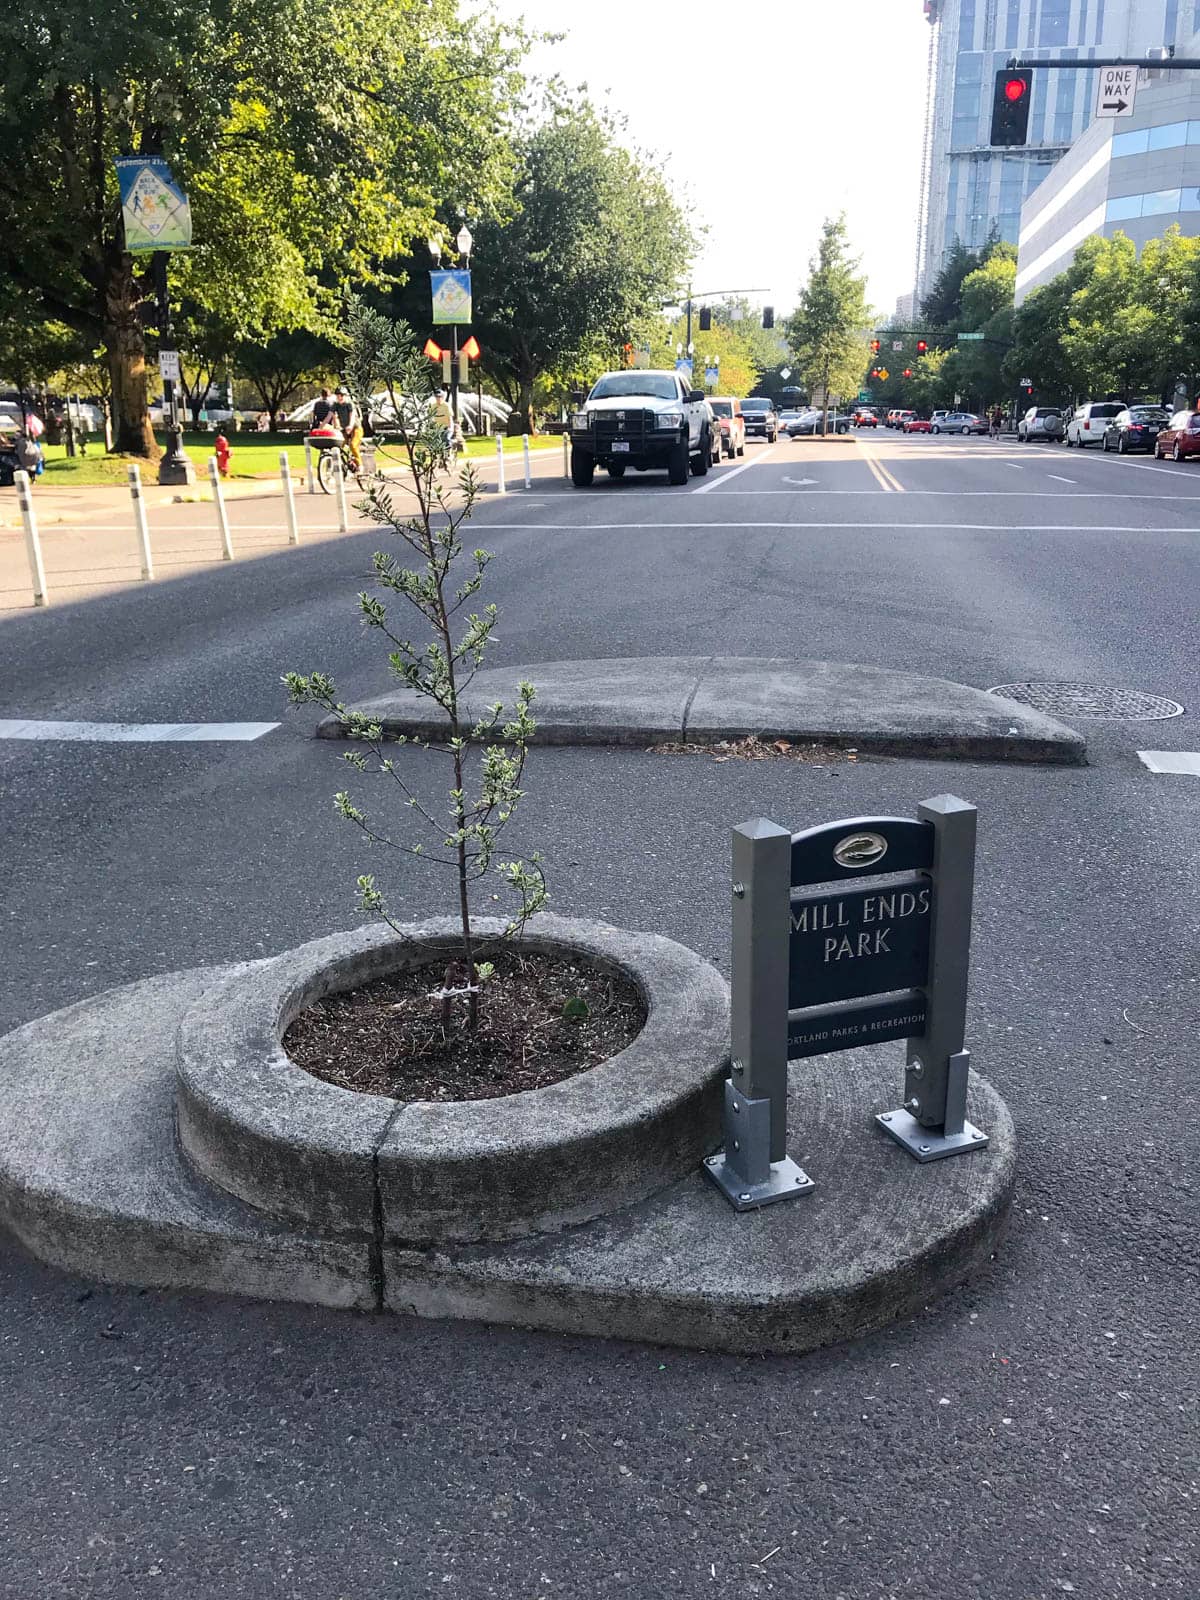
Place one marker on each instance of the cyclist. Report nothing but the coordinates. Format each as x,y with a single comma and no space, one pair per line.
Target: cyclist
351,426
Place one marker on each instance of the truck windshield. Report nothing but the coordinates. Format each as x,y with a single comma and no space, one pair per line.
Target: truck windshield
721,408
622,385
756,405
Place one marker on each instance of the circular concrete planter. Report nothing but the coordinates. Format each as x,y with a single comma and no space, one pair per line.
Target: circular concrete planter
266,1131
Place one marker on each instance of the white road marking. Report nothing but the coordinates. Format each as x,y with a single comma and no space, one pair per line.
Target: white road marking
136,732
1015,465
727,477
846,527
1057,479
1186,763
1126,465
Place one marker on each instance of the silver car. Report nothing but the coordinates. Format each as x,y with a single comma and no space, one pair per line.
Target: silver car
1041,422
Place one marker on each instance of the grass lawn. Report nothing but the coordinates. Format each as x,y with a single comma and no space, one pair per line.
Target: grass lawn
252,455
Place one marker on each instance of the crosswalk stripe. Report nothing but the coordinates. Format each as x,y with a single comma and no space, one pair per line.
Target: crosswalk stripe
135,732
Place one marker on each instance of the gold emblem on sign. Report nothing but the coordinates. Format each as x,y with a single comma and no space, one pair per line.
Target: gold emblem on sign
860,850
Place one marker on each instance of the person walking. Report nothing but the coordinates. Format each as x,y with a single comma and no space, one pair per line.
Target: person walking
997,422
443,419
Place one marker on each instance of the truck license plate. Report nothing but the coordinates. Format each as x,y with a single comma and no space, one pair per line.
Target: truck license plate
621,444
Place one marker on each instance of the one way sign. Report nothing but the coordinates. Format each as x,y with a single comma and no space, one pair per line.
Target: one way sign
1115,91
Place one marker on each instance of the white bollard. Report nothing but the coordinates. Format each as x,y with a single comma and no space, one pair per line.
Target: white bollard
525,452
566,456
501,487
289,504
139,520
339,489
309,476
222,520
33,544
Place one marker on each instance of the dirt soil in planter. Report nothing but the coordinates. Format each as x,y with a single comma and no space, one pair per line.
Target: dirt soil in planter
389,1037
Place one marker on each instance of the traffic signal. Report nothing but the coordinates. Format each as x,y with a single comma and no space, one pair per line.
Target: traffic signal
768,316
874,347
1010,107
908,372
921,347
705,319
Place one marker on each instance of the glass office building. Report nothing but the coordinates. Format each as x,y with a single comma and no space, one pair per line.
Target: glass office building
971,189
1136,175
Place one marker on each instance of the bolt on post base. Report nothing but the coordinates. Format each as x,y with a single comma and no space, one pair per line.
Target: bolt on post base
784,1182
927,1144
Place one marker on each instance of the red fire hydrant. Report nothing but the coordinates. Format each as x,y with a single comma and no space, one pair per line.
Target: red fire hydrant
222,452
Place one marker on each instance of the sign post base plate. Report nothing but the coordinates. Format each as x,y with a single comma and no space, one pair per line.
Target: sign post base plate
925,1144
785,1182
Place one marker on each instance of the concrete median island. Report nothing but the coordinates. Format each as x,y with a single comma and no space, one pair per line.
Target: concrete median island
158,1135
644,700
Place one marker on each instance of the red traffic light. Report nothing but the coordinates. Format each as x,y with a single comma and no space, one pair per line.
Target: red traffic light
908,372
1016,89
921,347
875,347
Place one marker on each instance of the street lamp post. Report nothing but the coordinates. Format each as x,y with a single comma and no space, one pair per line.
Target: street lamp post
463,244
175,467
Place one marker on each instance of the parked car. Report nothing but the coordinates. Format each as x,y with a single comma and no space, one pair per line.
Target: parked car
1087,425
714,438
787,416
728,414
1135,428
959,422
918,425
889,420
1041,422
1180,438
936,416
761,420
866,417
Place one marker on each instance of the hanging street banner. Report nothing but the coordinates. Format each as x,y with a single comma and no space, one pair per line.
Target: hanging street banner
684,365
712,374
451,297
155,210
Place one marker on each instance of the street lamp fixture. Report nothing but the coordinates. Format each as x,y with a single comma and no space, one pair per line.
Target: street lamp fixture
435,248
464,241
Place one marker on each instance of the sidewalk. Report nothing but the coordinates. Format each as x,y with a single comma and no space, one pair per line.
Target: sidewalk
89,537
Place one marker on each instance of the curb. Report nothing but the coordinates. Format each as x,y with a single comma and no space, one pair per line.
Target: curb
701,700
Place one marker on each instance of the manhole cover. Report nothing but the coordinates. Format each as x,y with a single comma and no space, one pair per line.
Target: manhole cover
1090,702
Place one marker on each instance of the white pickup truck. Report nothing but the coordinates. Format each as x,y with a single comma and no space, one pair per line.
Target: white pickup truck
642,419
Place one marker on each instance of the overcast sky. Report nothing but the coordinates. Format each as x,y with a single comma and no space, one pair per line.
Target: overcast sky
813,106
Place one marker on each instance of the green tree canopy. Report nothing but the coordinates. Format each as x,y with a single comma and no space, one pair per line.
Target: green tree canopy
596,245
314,137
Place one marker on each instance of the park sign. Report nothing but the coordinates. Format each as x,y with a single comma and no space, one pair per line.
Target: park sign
154,209
847,935
451,297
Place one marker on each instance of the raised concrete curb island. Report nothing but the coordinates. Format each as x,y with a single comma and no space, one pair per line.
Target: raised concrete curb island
158,1135
642,700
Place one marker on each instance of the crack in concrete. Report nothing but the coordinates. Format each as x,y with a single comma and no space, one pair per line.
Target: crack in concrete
687,705
376,1271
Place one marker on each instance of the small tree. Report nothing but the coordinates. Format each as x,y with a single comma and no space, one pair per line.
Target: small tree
827,330
382,354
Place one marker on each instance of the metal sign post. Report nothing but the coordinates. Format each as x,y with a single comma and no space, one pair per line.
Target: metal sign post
822,963
754,1168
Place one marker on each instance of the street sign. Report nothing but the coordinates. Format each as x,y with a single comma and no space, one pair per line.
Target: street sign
884,374
822,963
1116,91
965,338
864,394
897,344
1026,383
168,366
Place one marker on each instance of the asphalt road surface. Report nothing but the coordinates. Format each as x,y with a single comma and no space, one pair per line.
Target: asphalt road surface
1031,1436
